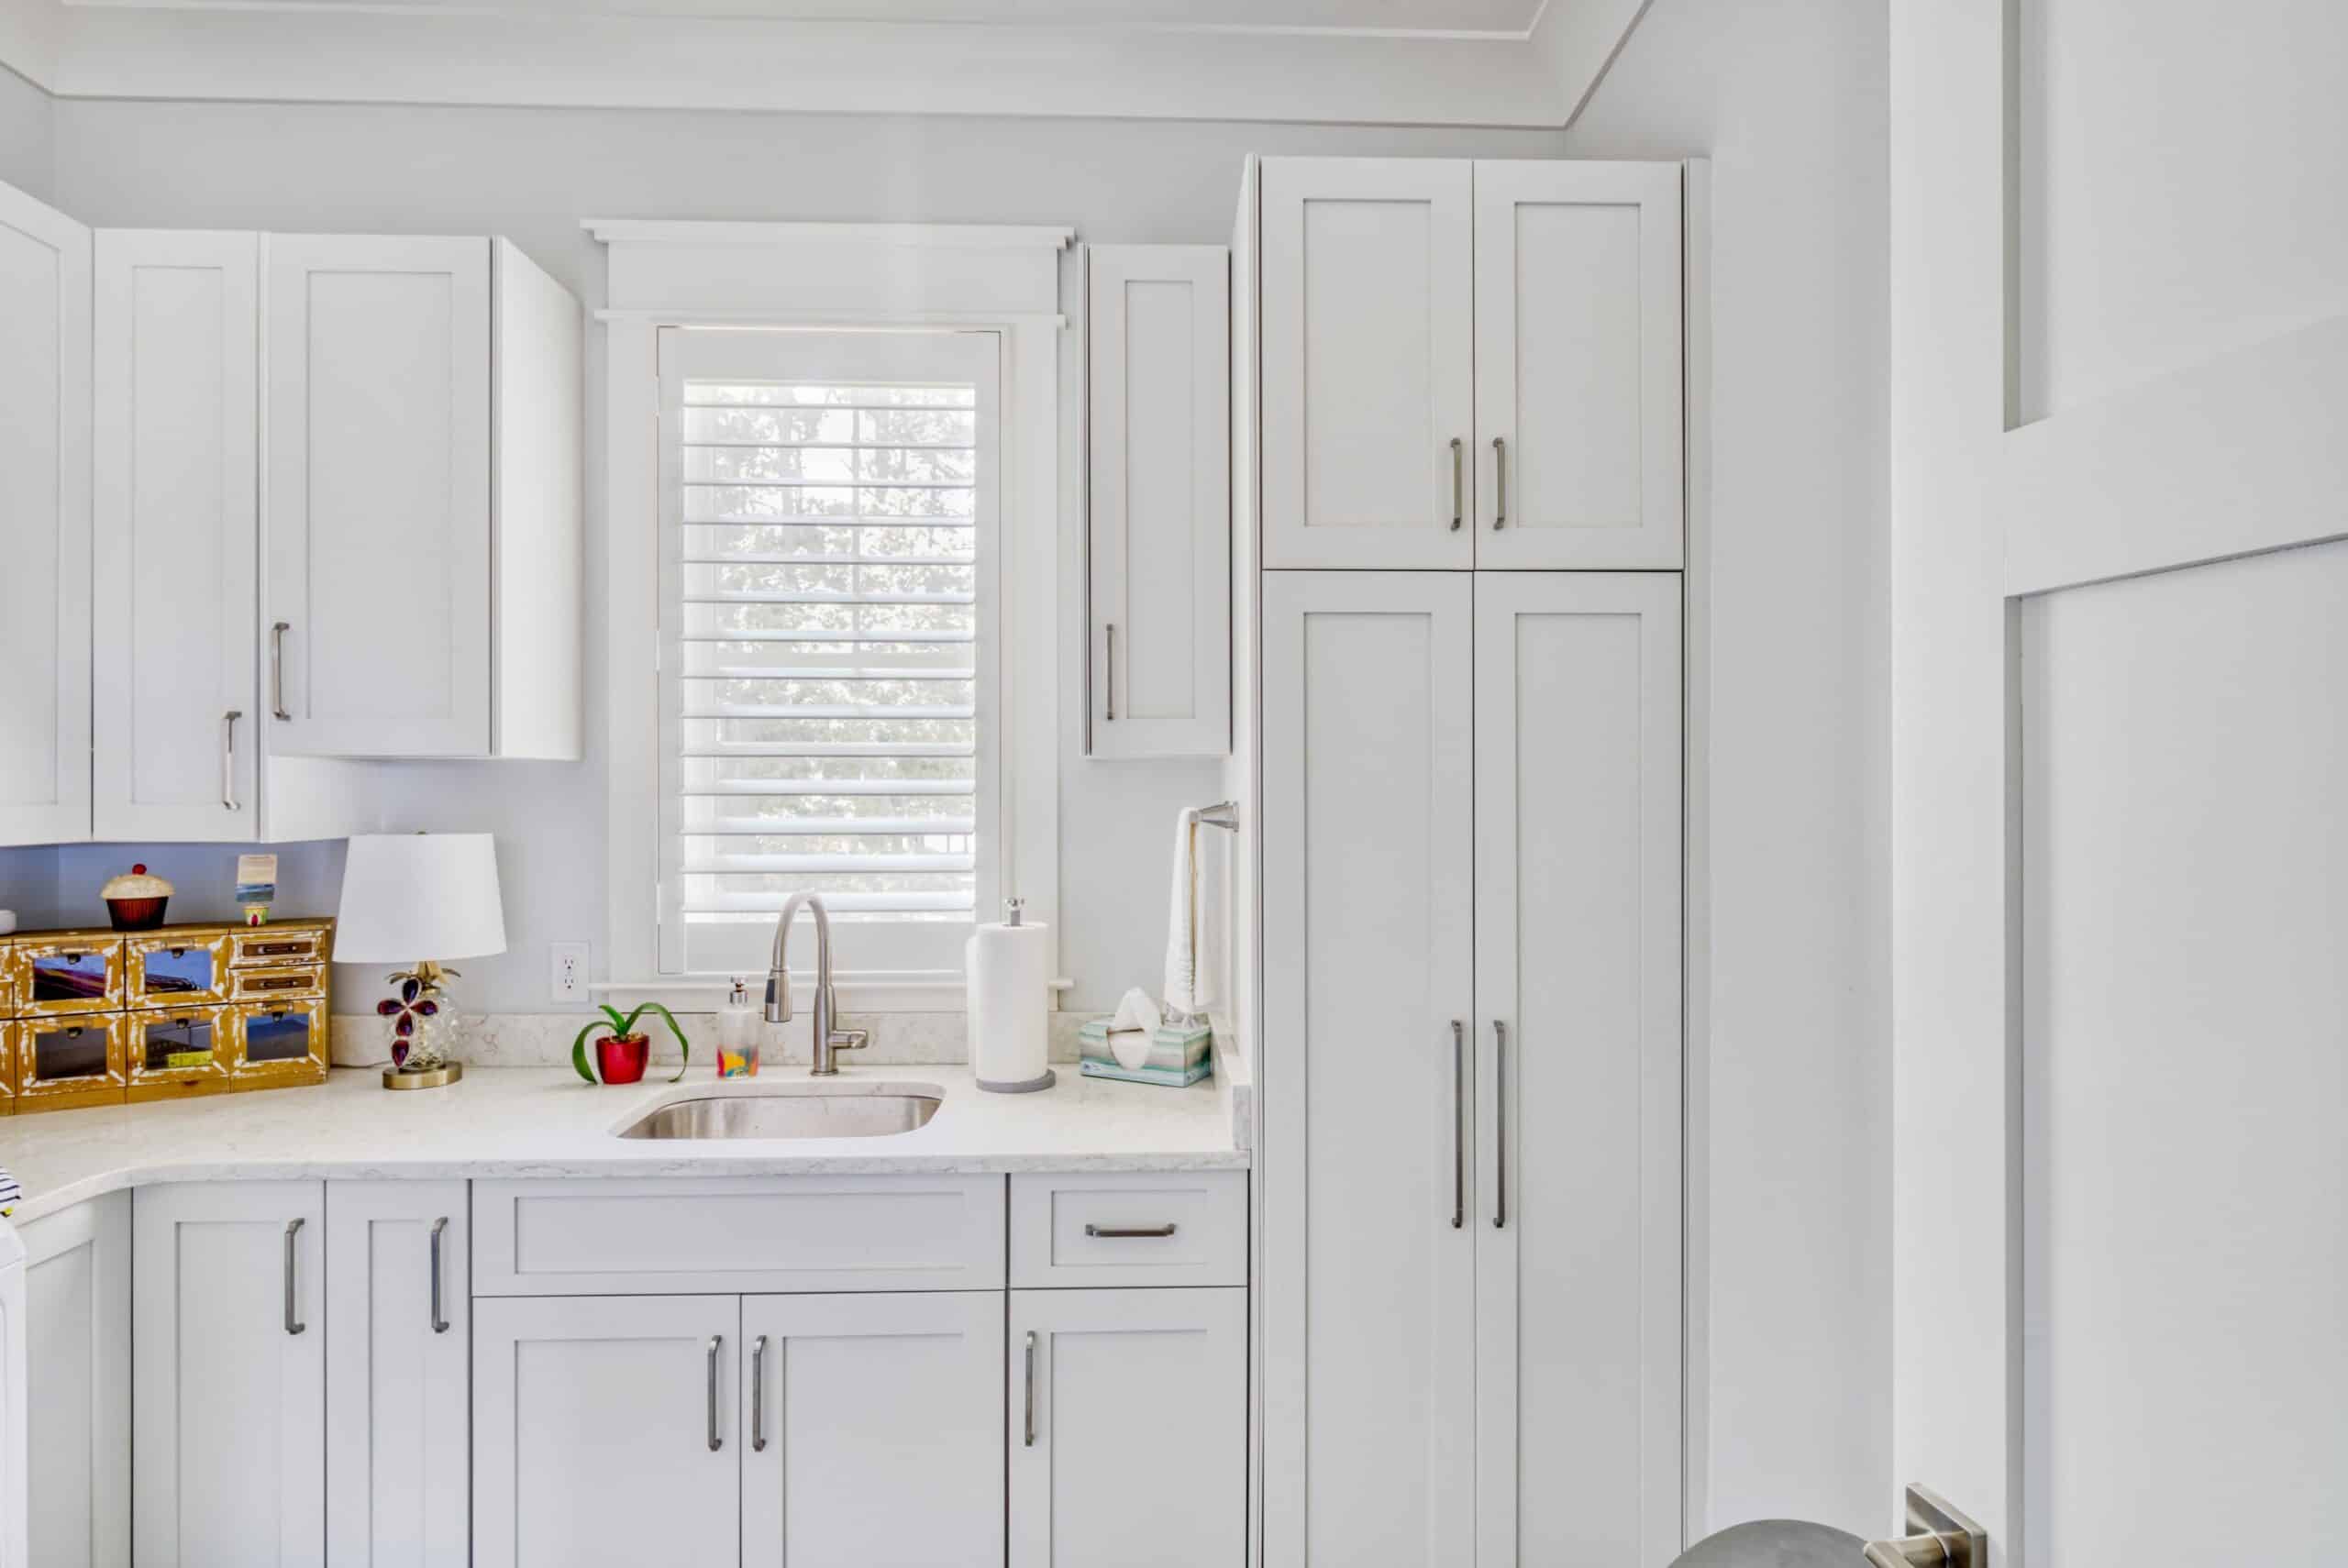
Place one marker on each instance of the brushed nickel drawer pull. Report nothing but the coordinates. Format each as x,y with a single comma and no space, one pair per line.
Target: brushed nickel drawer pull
1459,482
439,1230
1109,686
1499,1125
1458,1125
1030,1440
758,1395
716,1442
1111,1233
293,1324
1500,476
228,758
277,669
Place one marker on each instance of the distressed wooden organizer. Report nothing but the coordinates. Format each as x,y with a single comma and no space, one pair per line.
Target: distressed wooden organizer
102,1017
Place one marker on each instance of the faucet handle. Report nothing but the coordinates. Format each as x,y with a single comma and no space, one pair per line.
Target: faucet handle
851,1039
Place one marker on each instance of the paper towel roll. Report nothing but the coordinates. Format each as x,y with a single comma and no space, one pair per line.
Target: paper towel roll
1008,969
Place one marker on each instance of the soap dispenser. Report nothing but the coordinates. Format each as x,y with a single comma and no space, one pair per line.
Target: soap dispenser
738,1024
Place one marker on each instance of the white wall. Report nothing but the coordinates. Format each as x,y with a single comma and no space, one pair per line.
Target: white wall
533,175
1789,1275
25,145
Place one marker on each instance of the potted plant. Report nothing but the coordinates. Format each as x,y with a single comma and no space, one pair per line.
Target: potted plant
621,1054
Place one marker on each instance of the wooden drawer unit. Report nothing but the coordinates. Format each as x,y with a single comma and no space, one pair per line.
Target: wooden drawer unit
70,1060
751,1234
282,1041
1129,1228
270,946
178,1051
7,1067
176,968
62,972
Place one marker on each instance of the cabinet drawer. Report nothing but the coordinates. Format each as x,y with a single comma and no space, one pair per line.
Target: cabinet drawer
68,971
1153,1228
253,985
176,971
695,1235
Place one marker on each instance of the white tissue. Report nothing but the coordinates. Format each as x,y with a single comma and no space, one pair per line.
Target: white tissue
1132,1031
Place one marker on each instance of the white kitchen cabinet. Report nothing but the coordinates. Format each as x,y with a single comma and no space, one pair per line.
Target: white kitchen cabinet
177,743
848,1398
420,500
1467,364
1367,814
1128,1428
77,1290
228,1375
45,605
606,1432
1577,365
1368,333
1159,498
1472,1135
1577,1068
398,1367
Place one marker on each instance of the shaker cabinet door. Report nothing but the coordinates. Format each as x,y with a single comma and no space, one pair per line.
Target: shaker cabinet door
605,1432
178,727
376,614
1368,404
1577,365
229,1340
44,523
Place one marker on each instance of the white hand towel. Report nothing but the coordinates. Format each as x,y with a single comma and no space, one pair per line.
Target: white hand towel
1190,946
1133,1029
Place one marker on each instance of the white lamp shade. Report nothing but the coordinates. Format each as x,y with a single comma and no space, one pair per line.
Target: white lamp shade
407,897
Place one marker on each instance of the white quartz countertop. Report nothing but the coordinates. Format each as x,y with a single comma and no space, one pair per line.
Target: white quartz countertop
545,1121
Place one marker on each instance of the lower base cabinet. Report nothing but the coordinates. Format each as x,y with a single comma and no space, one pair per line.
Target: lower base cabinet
228,1375
77,1321
1128,1427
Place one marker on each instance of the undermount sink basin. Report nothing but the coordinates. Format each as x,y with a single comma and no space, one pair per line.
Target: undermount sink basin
853,1114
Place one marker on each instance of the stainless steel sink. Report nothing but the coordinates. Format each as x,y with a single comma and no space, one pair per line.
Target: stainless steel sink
854,1114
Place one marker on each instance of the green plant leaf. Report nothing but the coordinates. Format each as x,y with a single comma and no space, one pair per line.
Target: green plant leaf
579,1049
684,1045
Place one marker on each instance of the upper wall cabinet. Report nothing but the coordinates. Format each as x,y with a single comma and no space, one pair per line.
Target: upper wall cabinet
178,727
420,500
44,523
1158,475
1470,365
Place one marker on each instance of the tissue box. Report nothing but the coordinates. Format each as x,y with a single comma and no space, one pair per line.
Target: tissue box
1178,1056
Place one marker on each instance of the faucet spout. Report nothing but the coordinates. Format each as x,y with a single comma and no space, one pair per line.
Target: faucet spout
825,1039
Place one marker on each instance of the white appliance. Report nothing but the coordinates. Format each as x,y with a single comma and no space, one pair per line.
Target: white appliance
13,1551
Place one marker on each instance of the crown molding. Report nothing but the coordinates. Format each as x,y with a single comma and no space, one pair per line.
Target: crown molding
507,56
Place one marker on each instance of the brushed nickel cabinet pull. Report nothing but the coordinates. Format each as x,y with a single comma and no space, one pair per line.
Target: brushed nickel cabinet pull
1459,482
1111,678
1500,477
758,1395
439,1230
277,669
228,758
1030,1439
1499,1125
1458,1125
293,1324
716,1442
1107,1233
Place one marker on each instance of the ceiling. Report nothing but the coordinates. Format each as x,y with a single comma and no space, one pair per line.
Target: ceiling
1456,18
1437,63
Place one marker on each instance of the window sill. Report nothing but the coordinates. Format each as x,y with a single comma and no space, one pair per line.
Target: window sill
870,991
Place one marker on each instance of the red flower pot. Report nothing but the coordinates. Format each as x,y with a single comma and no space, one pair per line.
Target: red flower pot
620,1058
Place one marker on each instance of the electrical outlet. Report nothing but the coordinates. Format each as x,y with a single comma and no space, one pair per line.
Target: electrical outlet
569,970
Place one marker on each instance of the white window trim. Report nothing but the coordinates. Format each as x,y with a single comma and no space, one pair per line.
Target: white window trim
694,274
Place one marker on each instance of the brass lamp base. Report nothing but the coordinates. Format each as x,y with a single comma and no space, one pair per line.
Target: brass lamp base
427,1077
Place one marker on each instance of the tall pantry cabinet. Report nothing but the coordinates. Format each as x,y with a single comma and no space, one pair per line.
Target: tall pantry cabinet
1463,486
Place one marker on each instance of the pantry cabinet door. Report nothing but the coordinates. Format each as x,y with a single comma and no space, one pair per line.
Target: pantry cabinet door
228,1339
1578,1072
1368,327
1128,1428
178,728
44,523
605,1431
842,1395
1369,1249
375,496
1577,365
398,1470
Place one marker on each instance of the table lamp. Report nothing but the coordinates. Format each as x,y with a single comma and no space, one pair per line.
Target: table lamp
421,899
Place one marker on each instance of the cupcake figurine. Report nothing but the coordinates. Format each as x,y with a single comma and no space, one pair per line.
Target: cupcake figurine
135,902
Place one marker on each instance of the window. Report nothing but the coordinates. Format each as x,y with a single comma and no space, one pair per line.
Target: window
829,647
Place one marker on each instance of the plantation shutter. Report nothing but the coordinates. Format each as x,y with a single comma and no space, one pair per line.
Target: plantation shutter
829,542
